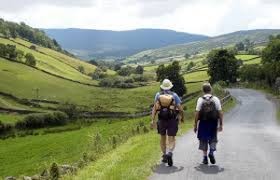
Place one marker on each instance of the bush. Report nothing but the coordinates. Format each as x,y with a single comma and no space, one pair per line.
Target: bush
30,60
118,82
5,128
34,121
70,109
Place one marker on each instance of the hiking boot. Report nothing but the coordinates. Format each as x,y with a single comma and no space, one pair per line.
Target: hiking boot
212,158
205,160
164,158
169,159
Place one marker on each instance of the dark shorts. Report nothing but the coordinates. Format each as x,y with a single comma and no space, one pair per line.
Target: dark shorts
212,143
169,127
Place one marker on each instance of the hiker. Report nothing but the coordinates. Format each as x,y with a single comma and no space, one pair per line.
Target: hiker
168,106
208,120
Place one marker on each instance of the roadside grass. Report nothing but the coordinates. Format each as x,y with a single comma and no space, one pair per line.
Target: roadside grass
52,65
32,154
135,159
132,160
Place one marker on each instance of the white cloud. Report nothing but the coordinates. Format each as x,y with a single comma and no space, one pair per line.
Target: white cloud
211,17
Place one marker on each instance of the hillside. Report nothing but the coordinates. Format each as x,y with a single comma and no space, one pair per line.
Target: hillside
256,36
88,43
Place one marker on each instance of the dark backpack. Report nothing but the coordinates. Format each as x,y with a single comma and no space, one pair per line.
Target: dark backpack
208,110
165,113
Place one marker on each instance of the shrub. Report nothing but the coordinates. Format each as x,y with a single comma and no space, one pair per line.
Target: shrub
30,60
5,128
70,109
34,121
54,172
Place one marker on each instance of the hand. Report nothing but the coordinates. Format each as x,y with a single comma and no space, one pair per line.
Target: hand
153,125
220,128
195,129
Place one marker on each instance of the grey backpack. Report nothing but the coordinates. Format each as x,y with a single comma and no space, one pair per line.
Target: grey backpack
208,110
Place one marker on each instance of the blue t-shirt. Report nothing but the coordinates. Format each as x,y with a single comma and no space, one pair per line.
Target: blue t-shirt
175,97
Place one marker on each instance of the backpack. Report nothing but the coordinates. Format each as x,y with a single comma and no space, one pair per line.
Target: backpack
165,102
208,110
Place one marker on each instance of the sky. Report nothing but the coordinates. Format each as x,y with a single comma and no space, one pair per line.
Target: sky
208,17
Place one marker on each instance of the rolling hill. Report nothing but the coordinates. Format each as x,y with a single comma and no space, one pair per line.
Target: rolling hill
256,36
88,43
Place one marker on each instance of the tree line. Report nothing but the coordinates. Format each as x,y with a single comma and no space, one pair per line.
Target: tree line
12,53
14,30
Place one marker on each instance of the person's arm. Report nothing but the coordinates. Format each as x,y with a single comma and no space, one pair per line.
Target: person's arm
196,119
196,116
221,116
153,116
181,113
221,120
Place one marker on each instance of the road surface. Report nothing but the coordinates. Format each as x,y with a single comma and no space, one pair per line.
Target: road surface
248,148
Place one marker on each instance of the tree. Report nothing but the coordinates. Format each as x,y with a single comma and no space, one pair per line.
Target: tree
33,47
20,55
222,66
271,60
93,62
187,56
125,71
81,69
190,66
117,67
172,72
11,51
3,51
240,46
30,60
248,45
98,74
139,70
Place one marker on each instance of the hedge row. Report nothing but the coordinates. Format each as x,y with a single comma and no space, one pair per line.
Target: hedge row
34,121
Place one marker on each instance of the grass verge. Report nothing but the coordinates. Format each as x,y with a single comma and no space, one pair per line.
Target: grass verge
134,159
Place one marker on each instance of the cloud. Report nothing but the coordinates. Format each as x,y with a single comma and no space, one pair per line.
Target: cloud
19,5
210,17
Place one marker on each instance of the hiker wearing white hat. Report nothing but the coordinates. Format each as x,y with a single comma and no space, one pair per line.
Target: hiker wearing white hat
168,106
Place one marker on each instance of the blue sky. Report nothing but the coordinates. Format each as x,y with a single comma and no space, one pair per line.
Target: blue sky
209,17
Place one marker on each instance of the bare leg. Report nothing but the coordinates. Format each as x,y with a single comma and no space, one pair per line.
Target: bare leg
163,144
204,153
171,143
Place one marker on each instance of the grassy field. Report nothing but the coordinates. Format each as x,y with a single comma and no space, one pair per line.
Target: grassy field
196,76
56,66
246,57
10,118
31,154
73,62
21,81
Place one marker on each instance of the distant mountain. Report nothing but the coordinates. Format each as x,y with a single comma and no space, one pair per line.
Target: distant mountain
259,36
88,43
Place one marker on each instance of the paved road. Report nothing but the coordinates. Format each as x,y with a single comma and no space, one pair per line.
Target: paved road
248,149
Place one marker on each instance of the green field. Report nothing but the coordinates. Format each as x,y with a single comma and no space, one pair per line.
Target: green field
196,76
21,81
57,66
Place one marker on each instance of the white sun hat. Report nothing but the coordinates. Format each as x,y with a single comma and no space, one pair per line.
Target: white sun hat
166,84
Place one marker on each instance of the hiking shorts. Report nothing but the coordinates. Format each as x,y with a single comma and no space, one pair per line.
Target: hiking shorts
169,127
203,144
